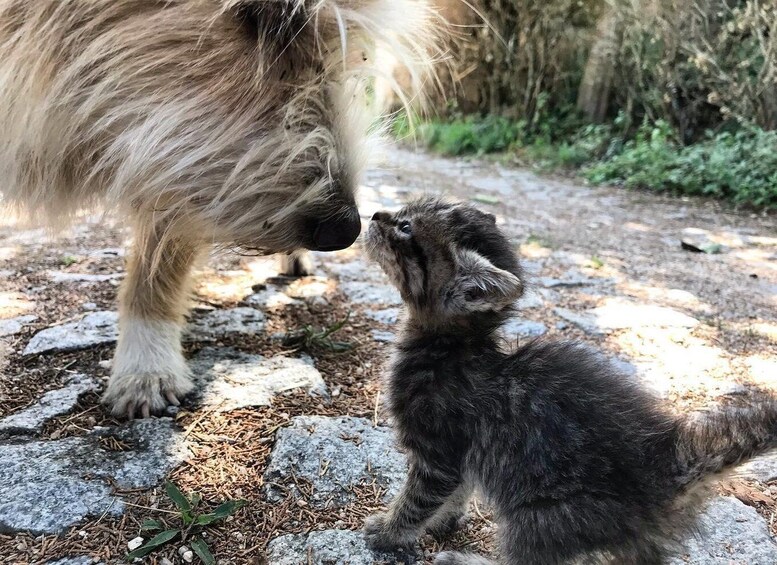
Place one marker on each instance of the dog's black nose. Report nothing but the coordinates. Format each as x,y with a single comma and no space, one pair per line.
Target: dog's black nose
381,217
337,232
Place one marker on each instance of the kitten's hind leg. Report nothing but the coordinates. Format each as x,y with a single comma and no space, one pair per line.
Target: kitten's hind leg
455,558
423,494
448,519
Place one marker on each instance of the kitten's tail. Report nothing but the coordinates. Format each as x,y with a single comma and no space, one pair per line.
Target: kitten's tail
723,437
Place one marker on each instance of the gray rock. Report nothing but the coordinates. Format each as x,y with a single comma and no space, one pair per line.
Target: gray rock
356,270
93,329
572,279
517,328
329,547
386,316
218,324
13,326
335,454
227,379
88,278
618,314
52,404
74,561
732,533
47,486
369,293
383,337
532,299
271,297
763,468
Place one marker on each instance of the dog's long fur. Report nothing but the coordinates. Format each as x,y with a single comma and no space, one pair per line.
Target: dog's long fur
202,122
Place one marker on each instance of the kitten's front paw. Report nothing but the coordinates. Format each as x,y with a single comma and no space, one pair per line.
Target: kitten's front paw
379,535
447,526
454,558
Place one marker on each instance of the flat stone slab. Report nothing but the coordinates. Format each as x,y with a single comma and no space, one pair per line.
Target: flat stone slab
101,328
732,533
74,561
619,314
356,270
329,547
532,299
517,328
335,454
228,379
52,404
271,297
97,328
370,293
47,486
13,326
383,337
762,468
86,278
218,324
388,316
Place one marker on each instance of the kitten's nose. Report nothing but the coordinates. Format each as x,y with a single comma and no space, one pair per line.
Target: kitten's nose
381,217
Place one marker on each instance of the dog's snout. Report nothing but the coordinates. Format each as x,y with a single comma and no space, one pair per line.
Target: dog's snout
337,232
381,217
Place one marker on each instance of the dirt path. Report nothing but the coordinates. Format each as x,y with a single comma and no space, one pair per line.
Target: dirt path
300,434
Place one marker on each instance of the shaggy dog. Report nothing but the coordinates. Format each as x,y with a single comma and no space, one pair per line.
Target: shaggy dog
202,122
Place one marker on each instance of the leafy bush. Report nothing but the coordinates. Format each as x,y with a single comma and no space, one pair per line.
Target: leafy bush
740,165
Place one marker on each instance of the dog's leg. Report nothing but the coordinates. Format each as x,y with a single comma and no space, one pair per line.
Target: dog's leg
149,371
296,264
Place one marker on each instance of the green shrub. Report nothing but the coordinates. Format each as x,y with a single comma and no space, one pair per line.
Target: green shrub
740,166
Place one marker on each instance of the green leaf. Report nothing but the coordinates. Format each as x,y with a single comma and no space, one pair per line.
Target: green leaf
178,497
150,525
223,511
485,199
187,517
155,542
195,499
201,549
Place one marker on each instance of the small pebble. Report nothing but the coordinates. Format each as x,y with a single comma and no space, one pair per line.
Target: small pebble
165,561
302,503
135,543
186,554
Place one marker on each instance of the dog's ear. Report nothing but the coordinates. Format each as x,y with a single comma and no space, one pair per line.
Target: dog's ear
277,22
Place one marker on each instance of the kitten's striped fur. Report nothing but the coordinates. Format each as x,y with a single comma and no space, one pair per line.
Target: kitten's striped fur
580,463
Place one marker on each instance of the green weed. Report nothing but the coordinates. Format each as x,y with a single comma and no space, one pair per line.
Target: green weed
192,525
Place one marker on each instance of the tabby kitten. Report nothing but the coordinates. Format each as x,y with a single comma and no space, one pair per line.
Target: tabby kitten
579,462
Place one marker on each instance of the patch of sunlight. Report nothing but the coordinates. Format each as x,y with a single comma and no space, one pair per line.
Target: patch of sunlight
13,304
675,360
762,370
635,226
225,286
765,329
310,287
667,296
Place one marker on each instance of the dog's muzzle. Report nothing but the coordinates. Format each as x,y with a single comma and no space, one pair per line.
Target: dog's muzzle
337,232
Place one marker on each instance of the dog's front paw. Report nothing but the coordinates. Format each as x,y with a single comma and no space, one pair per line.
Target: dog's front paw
142,394
296,264
380,535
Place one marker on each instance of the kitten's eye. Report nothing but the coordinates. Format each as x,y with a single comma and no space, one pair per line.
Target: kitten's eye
404,227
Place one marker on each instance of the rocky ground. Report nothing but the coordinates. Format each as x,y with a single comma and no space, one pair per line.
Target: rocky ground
298,430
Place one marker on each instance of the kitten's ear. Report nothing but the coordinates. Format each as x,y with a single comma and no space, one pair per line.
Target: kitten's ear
482,286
